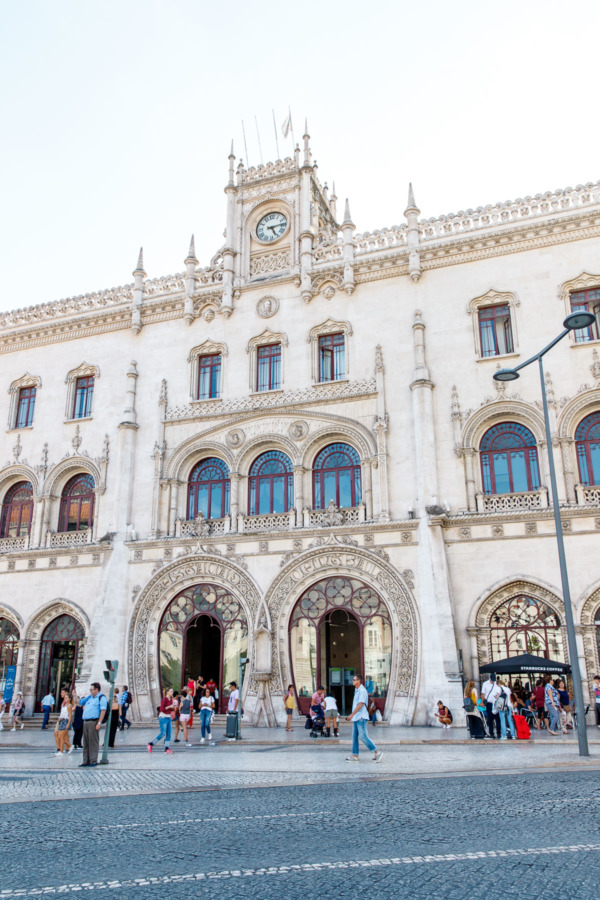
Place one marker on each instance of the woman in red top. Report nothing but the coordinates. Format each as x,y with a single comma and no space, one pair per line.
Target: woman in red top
164,720
540,704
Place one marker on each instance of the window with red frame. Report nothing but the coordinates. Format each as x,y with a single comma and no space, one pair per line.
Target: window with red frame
17,510
588,301
587,442
336,476
84,394
332,357
208,489
271,484
268,367
209,376
495,330
25,407
77,504
509,462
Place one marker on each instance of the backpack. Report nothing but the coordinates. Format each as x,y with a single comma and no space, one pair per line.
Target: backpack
468,705
499,704
129,698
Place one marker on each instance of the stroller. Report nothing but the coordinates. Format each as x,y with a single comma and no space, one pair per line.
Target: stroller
315,721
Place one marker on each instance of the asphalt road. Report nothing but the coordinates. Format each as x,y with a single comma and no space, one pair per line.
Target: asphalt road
538,836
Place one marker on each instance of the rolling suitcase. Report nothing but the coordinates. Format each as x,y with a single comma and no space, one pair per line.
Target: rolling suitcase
523,732
231,725
476,727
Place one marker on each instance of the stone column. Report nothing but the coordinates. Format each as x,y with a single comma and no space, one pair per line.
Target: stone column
368,486
469,460
566,445
173,502
234,500
299,488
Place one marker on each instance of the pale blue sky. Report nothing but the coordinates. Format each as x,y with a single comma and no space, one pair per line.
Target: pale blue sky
117,118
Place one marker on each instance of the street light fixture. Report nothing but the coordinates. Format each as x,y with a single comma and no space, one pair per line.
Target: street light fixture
573,322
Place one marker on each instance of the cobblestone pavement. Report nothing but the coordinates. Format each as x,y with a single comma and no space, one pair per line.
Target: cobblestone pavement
486,836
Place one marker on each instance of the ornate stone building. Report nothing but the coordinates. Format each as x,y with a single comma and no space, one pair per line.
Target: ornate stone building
297,455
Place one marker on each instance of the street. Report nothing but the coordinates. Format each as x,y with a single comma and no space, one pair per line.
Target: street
536,834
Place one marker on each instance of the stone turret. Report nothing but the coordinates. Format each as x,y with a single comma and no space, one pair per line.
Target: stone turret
138,293
412,213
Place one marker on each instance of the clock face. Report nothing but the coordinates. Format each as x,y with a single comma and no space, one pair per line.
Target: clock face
271,227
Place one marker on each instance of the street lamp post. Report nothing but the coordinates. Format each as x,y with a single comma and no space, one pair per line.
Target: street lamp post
573,322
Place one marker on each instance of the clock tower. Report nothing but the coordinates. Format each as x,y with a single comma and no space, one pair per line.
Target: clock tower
277,215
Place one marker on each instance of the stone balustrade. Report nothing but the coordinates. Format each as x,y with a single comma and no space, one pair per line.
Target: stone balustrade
68,538
11,544
587,496
269,522
503,502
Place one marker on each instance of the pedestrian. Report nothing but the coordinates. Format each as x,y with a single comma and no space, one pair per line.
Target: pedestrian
167,706
2,711
359,718
95,707
175,715
61,731
318,696
490,692
552,701
596,694
199,693
332,715
77,723
476,720
503,706
290,705
234,697
566,708
113,724
540,704
125,699
444,715
18,711
372,710
207,705
47,707
211,684
185,711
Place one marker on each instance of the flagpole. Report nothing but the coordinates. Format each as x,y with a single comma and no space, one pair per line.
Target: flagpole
245,145
275,129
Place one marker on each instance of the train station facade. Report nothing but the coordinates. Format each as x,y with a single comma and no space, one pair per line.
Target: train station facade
297,456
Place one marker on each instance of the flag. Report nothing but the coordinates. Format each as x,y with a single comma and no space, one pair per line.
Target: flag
287,125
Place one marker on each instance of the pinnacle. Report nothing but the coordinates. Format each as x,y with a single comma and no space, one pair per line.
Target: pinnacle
306,134
231,153
140,262
347,216
411,200
192,250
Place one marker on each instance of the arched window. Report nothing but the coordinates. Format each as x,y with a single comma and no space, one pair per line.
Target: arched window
509,462
271,484
77,504
17,510
208,489
9,644
336,476
61,655
525,625
587,441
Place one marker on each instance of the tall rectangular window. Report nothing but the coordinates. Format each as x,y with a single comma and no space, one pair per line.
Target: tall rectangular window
268,365
332,357
84,394
209,376
25,407
588,301
495,330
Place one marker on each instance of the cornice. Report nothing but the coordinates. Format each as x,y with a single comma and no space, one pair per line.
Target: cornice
515,515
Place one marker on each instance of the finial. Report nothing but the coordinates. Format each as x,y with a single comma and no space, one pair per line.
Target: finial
347,216
333,194
231,153
306,137
139,269
306,134
412,206
192,251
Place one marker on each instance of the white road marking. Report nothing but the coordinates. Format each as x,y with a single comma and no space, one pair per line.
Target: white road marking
211,819
161,880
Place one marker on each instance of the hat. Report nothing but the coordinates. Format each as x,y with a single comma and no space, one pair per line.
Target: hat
493,676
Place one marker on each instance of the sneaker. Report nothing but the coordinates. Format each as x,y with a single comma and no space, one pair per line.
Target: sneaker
70,750
168,750
14,729
352,759
176,741
149,747
504,738
22,725
92,765
209,736
202,740
378,755
58,753
83,765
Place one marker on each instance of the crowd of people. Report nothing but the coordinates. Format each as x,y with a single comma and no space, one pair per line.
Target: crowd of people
177,709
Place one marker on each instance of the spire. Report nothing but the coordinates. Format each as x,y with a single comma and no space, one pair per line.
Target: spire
231,162
139,269
333,202
306,138
412,206
347,216
192,252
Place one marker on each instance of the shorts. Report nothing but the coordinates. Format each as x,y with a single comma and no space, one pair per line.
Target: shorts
184,718
541,712
332,714
288,711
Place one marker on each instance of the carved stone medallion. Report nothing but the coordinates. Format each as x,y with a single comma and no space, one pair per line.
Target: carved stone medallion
235,438
267,307
298,430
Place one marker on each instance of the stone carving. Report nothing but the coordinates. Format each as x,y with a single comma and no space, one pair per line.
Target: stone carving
267,307
595,366
409,578
74,560
138,555
497,531
267,263
406,537
597,524
530,527
465,533
263,546
368,539
235,438
436,510
167,553
43,466
298,430
95,559
199,527
333,515
17,448
566,525
31,563
76,440
197,548
157,566
340,391
52,562
11,565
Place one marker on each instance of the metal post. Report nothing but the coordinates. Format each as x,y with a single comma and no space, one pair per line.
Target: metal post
111,694
242,662
570,623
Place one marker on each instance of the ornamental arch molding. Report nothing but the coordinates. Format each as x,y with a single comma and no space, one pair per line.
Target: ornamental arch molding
153,599
263,443
575,410
62,471
7,612
335,559
590,632
502,411
184,457
482,611
582,282
32,636
13,474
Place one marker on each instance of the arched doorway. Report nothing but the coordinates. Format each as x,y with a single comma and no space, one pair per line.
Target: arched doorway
61,653
338,628
9,645
524,624
203,631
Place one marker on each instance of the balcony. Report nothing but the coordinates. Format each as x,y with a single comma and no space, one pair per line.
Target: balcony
68,538
267,522
202,527
487,503
11,544
587,496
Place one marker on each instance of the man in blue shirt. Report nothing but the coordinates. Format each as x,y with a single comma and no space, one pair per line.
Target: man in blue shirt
94,711
359,718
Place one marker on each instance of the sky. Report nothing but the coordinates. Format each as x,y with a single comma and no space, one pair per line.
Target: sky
116,118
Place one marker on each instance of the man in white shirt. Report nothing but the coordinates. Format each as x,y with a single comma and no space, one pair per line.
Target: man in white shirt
47,707
234,698
490,692
359,717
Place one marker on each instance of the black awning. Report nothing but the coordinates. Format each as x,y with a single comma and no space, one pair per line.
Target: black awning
527,662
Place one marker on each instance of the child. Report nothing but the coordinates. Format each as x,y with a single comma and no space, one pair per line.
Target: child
332,716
